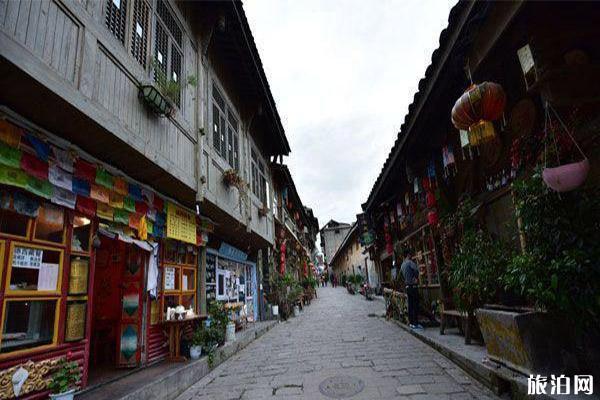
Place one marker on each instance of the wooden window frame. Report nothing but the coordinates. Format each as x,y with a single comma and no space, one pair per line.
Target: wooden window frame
228,143
128,40
57,311
8,292
171,42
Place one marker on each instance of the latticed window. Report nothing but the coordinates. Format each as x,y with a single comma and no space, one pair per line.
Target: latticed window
225,130
139,32
129,22
116,18
168,46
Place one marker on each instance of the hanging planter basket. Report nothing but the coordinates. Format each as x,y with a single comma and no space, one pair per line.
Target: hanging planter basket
566,177
154,99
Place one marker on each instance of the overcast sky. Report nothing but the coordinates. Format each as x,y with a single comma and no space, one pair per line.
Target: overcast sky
343,73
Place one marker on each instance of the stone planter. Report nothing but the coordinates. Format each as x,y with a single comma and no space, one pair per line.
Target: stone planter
528,341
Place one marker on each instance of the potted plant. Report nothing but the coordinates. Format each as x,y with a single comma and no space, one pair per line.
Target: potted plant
231,178
559,275
161,95
63,383
198,340
475,271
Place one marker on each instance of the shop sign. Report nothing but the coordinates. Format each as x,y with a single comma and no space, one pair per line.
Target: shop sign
227,250
181,224
27,258
169,278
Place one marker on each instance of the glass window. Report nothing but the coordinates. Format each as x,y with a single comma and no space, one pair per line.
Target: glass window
27,324
50,224
188,279
171,278
12,223
170,301
82,229
188,300
35,269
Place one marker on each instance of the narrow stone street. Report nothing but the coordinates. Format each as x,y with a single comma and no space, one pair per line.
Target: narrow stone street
339,345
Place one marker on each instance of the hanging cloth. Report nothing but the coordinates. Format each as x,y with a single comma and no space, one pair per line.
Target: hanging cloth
25,205
135,192
99,193
104,211
63,158
121,216
152,280
85,170
143,228
86,206
39,187
13,177
120,186
34,166
81,187
10,134
115,200
148,196
159,203
10,156
63,197
103,178
60,178
41,148
129,204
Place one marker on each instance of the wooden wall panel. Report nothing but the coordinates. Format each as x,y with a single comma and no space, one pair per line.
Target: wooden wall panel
47,30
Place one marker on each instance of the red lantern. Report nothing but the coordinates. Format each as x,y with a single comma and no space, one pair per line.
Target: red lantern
485,101
430,199
432,218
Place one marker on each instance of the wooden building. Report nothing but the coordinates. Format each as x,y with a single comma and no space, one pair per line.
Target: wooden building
115,205
539,53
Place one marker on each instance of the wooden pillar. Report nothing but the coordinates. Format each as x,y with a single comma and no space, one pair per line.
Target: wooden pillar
202,278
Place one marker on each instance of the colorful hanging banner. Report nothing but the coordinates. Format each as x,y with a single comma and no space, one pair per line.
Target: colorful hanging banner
181,224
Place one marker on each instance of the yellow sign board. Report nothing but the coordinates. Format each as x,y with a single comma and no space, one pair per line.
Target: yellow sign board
181,224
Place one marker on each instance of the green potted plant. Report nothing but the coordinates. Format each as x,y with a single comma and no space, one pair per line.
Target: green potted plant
161,95
63,383
558,274
197,342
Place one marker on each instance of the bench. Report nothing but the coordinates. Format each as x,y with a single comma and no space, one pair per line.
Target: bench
464,322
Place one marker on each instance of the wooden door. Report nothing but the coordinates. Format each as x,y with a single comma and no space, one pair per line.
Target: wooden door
130,327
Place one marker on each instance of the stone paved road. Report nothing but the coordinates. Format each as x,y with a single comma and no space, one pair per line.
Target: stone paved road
338,335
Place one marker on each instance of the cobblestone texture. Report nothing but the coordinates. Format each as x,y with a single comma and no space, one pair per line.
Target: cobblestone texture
338,334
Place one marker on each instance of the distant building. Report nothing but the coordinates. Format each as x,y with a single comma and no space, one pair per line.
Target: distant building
332,235
351,258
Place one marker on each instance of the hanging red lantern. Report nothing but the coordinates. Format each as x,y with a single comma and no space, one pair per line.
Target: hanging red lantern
432,218
485,101
430,199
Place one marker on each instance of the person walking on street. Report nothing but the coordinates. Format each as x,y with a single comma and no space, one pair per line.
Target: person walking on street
410,272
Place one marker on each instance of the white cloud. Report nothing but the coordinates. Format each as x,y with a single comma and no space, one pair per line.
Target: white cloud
343,73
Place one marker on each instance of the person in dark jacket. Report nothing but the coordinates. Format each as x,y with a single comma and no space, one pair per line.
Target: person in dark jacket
410,272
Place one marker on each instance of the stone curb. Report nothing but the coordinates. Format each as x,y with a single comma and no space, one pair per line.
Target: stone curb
176,381
498,379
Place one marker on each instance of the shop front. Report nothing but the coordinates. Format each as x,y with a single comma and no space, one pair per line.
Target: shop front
231,278
90,262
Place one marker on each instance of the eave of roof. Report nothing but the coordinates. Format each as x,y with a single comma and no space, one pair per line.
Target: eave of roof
249,39
458,17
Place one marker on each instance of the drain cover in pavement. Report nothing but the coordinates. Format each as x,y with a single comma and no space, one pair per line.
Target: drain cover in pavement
341,386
